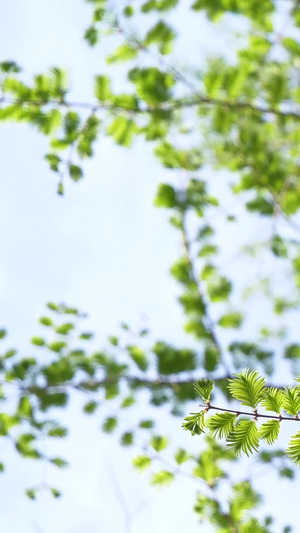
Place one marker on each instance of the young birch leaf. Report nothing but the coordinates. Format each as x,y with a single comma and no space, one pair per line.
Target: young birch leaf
194,423
293,449
244,438
204,388
291,401
221,424
248,387
269,431
273,400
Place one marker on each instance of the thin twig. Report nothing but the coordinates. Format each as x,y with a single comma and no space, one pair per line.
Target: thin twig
254,414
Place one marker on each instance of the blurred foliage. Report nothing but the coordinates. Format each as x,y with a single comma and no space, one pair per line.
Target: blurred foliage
226,130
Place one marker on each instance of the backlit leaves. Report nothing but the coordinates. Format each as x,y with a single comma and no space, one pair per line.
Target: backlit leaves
159,443
293,449
236,115
173,361
273,400
291,401
102,88
163,477
204,388
162,35
141,462
122,130
221,424
269,431
194,423
248,388
244,438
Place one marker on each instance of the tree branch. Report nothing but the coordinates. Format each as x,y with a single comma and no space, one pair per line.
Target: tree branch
209,321
176,104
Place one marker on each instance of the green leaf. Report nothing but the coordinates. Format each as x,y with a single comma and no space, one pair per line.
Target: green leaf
159,442
158,5
102,88
57,346
165,196
37,341
292,352
141,462
86,336
248,387
218,288
24,446
231,320
59,462
162,35
245,498
291,400
58,431
53,306
128,11
260,205
25,407
64,329
91,35
31,494
279,247
55,399
173,361
9,67
90,407
211,357
71,125
163,477
122,130
55,493
154,87
221,424
269,431
46,321
109,424
139,357
207,250
146,424
291,46
273,400
293,450
244,438
75,172
181,456
204,388
128,402
194,423
127,438
181,271
125,52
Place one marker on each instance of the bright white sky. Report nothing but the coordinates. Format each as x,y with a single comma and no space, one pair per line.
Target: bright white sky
103,248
